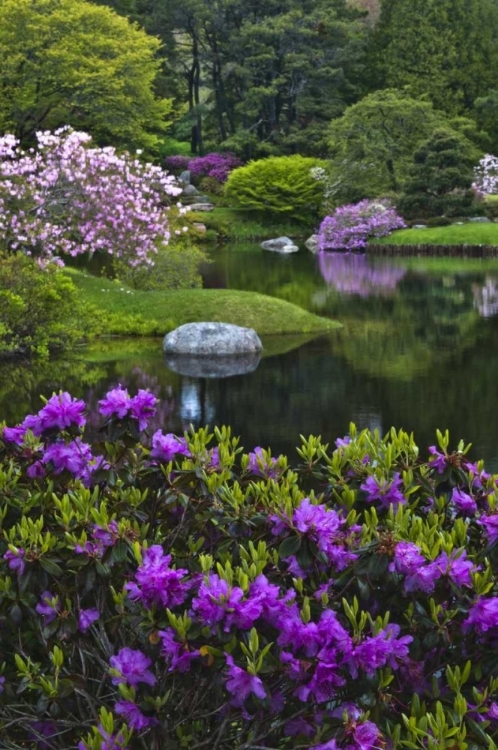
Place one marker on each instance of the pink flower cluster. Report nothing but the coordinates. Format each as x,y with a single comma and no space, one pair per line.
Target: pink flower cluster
67,198
486,176
350,226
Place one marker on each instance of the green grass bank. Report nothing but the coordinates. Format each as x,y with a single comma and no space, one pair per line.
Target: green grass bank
126,311
471,233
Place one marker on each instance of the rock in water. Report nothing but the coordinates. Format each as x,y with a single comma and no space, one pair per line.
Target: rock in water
312,244
213,366
212,339
280,245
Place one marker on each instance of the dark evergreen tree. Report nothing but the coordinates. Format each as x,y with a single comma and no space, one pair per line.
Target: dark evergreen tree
441,177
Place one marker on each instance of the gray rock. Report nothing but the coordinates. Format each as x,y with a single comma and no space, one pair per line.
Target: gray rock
185,177
212,339
190,190
419,226
480,219
312,244
203,199
200,227
280,245
213,366
201,207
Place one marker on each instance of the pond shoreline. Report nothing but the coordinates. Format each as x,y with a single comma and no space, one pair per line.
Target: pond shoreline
450,251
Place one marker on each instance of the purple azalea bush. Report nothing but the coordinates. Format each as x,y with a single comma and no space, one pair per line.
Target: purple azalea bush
68,198
177,163
161,591
216,166
350,226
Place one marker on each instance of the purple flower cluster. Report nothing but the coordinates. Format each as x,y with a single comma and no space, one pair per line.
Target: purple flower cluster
216,166
384,491
350,226
61,412
259,465
117,202
486,176
421,575
177,163
166,447
119,405
156,582
131,666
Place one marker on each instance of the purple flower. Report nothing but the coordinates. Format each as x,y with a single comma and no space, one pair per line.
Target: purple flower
49,607
351,225
463,502
2,683
490,524
106,537
365,736
456,567
483,616
133,716
72,457
36,470
143,407
62,411
407,558
330,745
110,741
156,582
86,618
15,558
260,466
166,447
241,684
178,655
46,729
386,491
217,601
133,667
439,461
117,403
342,442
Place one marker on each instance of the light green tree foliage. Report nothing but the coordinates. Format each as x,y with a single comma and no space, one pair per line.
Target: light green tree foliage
445,49
71,62
373,143
279,185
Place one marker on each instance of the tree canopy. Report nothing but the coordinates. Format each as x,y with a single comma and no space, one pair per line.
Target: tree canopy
71,62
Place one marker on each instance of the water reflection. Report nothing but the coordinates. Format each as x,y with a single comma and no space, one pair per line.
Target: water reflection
486,297
419,350
354,273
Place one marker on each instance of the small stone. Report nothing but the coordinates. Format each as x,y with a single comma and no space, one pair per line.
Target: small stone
200,227
201,207
312,244
419,226
280,245
480,219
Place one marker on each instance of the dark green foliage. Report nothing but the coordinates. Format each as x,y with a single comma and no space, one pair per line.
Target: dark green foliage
438,221
40,311
278,185
441,177
444,49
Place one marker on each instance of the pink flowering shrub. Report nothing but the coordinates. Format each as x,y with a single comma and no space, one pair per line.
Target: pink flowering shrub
161,591
350,226
216,166
486,176
68,198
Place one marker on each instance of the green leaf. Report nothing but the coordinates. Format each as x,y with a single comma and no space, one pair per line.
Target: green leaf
289,546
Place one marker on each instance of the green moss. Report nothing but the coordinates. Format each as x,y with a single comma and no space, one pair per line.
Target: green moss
131,312
471,233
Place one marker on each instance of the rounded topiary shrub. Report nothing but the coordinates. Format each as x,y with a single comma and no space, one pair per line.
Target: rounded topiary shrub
289,186
169,592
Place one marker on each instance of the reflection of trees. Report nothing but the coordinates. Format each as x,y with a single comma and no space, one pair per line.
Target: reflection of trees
355,273
486,297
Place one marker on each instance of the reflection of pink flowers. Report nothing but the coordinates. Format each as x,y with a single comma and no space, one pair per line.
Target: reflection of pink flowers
353,273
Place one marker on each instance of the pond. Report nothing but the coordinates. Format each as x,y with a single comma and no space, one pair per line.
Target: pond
418,350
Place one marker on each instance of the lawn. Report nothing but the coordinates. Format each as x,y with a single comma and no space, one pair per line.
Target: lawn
471,233
130,312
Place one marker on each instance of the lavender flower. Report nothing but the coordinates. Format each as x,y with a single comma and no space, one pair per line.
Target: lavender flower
463,502
117,403
242,684
178,655
143,407
132,667
166,447
156,582
217,601
72,457
260,466
86,618
49,607
439,461
483,616
133,716
490,524
61,412
15,559
386,491
351,225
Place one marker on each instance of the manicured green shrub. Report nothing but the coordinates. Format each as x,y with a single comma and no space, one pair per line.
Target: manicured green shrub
283,185
438,221
177,594
40,309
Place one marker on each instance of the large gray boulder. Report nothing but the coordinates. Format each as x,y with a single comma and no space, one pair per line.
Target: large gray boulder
185,177
212,339
208,366
190,190
280,245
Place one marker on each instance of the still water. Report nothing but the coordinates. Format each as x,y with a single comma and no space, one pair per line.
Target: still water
418,350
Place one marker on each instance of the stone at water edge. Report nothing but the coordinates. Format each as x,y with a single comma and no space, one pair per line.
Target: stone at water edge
201,207
212,339
200,227
480,219
206,366
419,226
280,245
311,244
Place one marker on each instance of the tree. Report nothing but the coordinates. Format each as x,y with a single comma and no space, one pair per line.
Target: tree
445,49
70,62
372,144
441,177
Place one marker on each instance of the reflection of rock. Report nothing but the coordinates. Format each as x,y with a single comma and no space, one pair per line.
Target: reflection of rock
280,245
214,366
486,298
212,339
353,273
